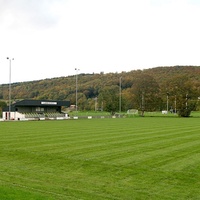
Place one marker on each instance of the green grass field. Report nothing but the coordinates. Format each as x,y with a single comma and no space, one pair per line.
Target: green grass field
123,158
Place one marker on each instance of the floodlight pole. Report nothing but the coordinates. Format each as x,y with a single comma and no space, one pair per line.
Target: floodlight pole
120,95
95,103
167,102
186,101
142,103
76,89
175,104
10,61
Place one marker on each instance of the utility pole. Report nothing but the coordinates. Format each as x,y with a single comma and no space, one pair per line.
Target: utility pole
175,104
95,103
76,90
120,95
142,104
167,102
10,61
186,102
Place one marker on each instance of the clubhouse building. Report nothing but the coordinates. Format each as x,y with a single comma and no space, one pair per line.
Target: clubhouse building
35,110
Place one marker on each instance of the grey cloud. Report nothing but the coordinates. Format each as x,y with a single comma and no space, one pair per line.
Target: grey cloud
35,13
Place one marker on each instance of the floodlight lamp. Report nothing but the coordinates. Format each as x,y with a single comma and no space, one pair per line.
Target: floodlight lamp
10,58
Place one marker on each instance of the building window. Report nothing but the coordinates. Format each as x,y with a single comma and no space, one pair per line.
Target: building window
39,109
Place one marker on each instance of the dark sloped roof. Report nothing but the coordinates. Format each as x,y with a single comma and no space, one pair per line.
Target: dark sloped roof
41,103
37,103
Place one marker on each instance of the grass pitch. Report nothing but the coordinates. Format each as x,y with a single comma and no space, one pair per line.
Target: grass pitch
130,158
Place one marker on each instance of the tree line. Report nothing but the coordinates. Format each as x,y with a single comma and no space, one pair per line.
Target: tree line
176,89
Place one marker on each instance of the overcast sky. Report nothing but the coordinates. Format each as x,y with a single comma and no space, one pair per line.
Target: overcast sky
50,38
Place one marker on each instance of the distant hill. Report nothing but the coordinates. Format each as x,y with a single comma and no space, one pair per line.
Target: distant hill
89,85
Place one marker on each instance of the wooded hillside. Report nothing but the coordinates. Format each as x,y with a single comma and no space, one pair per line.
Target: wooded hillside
147,89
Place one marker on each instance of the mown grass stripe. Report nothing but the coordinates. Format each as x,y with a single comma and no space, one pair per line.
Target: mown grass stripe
141,158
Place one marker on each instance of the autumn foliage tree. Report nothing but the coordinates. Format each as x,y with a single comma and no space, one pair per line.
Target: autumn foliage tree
184,95
110,99
145,92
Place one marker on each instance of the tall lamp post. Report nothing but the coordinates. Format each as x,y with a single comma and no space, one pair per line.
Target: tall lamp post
143,104
120,95
10,61
76,89
175,104
186,101
167,102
